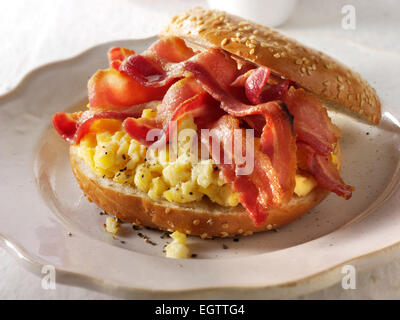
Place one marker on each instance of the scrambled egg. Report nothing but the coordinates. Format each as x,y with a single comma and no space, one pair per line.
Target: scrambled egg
304,185
177,249
182,178
112,153
111,225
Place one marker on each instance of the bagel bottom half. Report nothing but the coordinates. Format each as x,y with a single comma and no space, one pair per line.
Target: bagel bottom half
202,218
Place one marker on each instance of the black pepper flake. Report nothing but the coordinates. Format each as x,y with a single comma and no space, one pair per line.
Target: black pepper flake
104,176
70,234
215,168
367,133
122,241
191,193
146,239
224,246
236,239
136,227
164,235
194,255
142,175
123,157
106,152
102,213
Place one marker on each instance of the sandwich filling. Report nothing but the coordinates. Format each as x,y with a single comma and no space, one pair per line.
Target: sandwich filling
208,90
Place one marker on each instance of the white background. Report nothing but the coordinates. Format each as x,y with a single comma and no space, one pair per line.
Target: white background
33,33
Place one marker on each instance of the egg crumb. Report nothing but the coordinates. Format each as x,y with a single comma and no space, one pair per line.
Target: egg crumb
304,185
111,225
177,249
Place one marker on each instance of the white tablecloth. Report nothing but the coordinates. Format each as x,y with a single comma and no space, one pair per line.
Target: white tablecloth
33,33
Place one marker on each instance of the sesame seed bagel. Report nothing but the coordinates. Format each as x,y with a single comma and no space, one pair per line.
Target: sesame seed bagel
309,68
202,218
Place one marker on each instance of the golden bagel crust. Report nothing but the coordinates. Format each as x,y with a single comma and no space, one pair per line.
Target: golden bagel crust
202,218
307,67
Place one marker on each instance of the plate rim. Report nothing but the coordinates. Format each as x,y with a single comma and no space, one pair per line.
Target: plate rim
307,283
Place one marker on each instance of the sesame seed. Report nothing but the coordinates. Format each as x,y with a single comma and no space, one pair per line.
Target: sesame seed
196,222
269,227
277,55
225,226
224,42
204,236
252,51
255,31
240,231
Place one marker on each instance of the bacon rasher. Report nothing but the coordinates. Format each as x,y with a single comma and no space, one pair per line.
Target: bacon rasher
260,190
277,139
185,97
140,78
311,121
324,171
74,126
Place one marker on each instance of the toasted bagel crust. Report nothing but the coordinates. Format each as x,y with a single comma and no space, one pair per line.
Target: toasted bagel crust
307,67
202,218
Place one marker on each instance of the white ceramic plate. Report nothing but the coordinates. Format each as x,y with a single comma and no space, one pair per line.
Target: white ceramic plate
41,202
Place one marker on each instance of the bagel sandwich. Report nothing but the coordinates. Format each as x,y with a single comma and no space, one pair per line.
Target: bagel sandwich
217,129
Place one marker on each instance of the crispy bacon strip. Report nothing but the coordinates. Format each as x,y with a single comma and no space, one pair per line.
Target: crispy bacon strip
74,126
171,49
142,78
240,81
158,66
183,98
277,138
110,90
275,92
311,121
117,55
259,190
324,171
255,84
